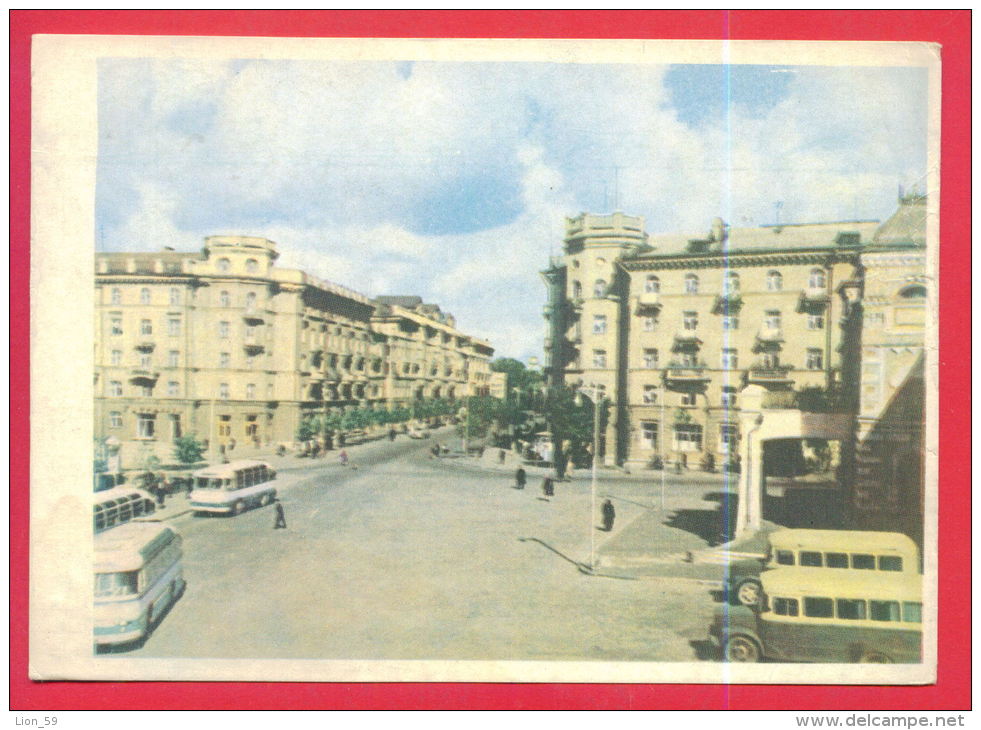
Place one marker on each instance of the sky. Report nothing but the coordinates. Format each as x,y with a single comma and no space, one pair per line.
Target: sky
452,181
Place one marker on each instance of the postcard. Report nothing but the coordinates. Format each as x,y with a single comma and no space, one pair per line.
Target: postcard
484,360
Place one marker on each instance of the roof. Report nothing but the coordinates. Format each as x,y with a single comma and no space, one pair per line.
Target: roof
906,226
110,495
125,547
408,302
223,469
831,583
843,540
768,238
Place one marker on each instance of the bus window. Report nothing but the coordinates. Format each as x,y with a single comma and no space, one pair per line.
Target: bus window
810,559
111,585
884,610
852,609
819,607
912,612
785,557
785,606
863,562
836,560
891,562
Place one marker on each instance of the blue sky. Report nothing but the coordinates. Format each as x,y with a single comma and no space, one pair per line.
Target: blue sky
452,180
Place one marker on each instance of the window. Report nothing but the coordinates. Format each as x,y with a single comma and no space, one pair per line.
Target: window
650,323
224,299
652,285
224,360
891,563
850,609
730,358
771,360
785,607
599,324
912,612
836,560
250,333
863,562
116,295
815,321
576,290
599,358
687,399
817,279
223,391
250,301
819,607
650,358
687,437
728,438
774,281
175,427
690,320
691,284
144,296
145,425
115,389
117,357
728,396
650,394
811,559
173,326
250,391
730,285
250,361
146,327
884,610
730,322
785,557
173,389
173,358
224,265
115,419
599,288
175,296
648,433
116,326
224,328
146,391
146,361
772,320
251,266
815,359
224,425
269,391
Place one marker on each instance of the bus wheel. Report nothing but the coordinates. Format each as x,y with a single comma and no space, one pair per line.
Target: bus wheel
874,657
239,507
748,592
742,649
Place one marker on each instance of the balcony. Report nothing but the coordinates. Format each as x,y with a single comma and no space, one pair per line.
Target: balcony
548,343
648,301
253,316
575,338
813,299
253,346
680,372
768,339
145,345
575,305
141,375
727,303
686,340
769,375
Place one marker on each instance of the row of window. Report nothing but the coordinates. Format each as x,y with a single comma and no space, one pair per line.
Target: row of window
729,359
688,398
772,320
817,279
687,437
850,609
174,328
115,390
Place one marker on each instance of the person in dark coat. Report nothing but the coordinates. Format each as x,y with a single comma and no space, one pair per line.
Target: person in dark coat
391,434
609,514
280,517
548,487
519,478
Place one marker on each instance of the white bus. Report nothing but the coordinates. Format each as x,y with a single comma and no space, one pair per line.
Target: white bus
118,505
138,576
232,488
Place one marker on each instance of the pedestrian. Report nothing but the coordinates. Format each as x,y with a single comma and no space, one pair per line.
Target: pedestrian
519,478
159,493
280,517
548,487
609,514
342,457
391,434
501,454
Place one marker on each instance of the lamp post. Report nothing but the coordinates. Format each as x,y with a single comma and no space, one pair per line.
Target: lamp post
595,391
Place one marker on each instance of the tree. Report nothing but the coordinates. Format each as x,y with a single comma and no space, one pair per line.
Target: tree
188,449
519,376
572,421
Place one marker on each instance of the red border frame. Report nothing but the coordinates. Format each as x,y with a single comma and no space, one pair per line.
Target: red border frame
949,28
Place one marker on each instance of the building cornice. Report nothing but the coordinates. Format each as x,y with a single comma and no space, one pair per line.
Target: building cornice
822,256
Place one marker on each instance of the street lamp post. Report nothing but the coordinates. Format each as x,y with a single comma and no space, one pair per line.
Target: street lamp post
594,391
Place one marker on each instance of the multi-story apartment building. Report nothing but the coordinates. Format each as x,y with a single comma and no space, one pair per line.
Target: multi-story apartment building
226,345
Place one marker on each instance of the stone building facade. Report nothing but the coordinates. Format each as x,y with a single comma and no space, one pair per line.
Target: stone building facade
228,346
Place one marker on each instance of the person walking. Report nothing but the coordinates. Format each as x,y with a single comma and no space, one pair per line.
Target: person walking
342,457
391,434
548,487
609,514
519,478
280,517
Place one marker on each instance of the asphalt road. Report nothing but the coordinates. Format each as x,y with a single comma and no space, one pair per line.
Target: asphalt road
409,557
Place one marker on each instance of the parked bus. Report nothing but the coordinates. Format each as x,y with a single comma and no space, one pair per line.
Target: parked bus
817,615
138,576
234,487
846,550
118,505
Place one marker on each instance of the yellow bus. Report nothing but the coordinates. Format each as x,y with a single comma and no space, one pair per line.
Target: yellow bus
840,550
817,615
